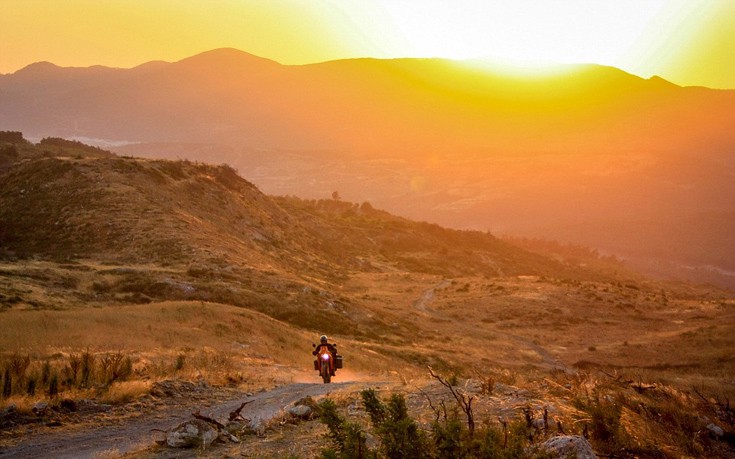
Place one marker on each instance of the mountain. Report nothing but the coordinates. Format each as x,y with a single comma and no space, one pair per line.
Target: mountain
365,105
587,154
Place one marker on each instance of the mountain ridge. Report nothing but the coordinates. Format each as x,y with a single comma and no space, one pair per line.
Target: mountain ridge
423,94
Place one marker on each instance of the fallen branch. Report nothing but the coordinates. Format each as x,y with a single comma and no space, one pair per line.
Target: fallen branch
220,427
235,415
640,387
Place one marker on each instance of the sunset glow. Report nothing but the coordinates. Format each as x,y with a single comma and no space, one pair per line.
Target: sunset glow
689,43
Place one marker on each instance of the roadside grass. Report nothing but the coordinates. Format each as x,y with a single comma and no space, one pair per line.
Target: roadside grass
98,347
114,352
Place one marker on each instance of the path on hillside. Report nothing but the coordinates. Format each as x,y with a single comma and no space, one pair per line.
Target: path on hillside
423,303
115,437
427,297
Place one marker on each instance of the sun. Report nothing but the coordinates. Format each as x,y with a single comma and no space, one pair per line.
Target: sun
523,34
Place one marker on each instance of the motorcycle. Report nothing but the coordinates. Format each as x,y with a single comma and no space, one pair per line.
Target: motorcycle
323,363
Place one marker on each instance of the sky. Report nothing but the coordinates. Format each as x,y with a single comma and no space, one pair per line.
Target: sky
689,42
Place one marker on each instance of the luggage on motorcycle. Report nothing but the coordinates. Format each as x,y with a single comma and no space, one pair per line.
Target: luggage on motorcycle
316,365
337,361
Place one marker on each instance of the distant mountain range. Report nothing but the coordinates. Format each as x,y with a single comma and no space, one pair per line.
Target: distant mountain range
637,167
231,97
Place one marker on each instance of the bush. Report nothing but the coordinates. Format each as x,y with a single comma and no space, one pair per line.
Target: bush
348,438
401,437
399,434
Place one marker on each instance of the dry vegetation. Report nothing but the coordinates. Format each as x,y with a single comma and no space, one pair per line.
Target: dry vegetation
116,273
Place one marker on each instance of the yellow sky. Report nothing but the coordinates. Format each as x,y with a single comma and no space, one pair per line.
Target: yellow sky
690,42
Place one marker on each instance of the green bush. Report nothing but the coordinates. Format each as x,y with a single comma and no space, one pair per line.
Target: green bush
400,436
348,439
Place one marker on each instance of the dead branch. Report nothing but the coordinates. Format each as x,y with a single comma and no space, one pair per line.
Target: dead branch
554,383
209,420
220,427
546,420
559,427
505,431
235,415
436,411
618,379
464,401
640,387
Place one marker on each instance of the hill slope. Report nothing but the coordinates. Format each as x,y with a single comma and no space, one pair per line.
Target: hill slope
63,204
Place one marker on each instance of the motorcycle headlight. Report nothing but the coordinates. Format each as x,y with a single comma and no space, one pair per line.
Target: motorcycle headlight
325,356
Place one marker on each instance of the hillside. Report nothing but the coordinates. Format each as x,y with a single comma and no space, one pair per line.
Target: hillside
186,271
61,204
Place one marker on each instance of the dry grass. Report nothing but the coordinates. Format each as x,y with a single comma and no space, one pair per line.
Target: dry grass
125,391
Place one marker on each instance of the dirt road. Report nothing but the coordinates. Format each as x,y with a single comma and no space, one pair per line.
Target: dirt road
111,437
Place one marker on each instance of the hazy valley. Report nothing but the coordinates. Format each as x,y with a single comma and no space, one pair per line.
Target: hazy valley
642,169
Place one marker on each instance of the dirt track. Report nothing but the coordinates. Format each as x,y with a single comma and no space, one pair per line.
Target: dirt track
116,437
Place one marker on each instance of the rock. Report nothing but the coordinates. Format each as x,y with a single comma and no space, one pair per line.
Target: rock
191,434
257,426
8,411
569,446
300,411
69,405
172,388
40,408
87,406
715,430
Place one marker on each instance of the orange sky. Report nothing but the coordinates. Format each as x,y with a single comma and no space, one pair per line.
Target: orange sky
690,42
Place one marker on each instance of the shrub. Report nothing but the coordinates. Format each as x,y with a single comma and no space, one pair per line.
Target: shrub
606,430
87,368
399,434
348,438
7,383
53,385
31,385
401,437
115,367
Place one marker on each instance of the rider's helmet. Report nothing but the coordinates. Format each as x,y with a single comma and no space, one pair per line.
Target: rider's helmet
323,339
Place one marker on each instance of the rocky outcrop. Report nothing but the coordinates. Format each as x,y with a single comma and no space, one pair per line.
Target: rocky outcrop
569,446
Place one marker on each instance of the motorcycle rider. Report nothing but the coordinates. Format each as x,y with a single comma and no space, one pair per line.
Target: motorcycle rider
323,343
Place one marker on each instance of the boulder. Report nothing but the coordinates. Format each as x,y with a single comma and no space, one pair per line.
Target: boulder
172,388
569,446
715,430
8,411
191,434
40,408
300,411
